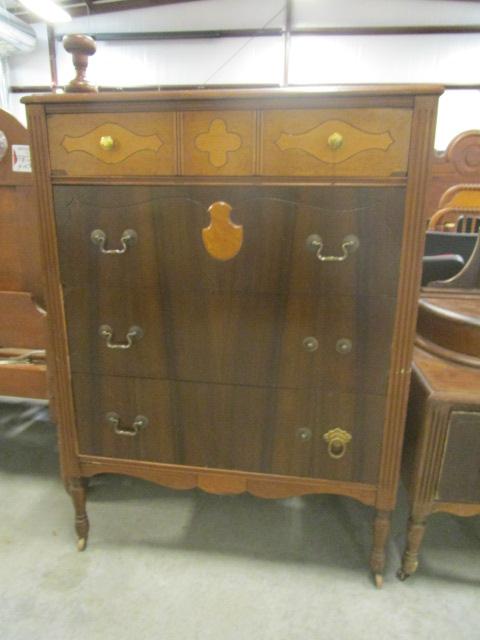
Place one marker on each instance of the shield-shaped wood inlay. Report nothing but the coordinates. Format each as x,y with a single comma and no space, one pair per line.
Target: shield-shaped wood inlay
222,238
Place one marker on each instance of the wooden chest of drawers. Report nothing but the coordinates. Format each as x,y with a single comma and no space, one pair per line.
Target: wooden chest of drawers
232,282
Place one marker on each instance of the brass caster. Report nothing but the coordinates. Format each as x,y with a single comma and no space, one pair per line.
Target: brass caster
401,575
378,580
81,544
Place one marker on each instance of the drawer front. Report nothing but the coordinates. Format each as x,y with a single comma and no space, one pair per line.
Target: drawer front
218,143
460,474
338,142
289,341
109,414
286,432
308,142
274,240
112,144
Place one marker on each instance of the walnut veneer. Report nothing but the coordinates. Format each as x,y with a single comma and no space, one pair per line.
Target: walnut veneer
245,361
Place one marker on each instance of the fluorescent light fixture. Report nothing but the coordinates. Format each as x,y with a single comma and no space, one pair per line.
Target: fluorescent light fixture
15,35
46,10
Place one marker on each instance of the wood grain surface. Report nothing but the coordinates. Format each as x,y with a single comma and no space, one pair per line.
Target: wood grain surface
375,142
143,144
274,258
231,427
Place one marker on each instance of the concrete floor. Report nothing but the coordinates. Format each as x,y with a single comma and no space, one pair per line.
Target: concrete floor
187,565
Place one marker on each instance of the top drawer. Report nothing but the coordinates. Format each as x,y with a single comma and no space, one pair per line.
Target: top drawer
100,144
273,142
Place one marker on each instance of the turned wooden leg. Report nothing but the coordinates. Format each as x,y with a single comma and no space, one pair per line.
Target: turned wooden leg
381,530
77,488
415,532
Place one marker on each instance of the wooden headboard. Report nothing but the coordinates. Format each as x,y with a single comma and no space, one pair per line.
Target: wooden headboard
22,322
459,164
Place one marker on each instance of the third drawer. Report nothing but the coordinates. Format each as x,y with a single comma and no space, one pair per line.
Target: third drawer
292,341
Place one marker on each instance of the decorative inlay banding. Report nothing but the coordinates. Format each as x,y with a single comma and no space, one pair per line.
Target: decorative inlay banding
124,143
218,142
317,142
222,238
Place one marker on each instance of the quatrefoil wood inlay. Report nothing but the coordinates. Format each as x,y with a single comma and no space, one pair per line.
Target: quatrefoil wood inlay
218,142
124,143
222,238
354,140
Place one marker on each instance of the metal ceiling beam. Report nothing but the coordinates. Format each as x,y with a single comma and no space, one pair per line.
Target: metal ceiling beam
94,7
183,35
386,31
251,33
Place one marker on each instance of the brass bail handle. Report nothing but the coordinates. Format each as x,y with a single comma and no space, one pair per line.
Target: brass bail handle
337,440
134,333
350,244
128,239
140,422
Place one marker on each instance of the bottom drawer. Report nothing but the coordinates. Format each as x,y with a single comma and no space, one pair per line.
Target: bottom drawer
297,432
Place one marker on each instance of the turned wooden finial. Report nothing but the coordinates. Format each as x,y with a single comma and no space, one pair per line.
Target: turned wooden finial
80,47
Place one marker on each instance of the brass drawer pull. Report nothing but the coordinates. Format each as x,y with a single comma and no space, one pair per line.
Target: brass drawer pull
335,141
128,239
337,440
107,143
134,333
349,245
344,346
310,343
304,434
140,422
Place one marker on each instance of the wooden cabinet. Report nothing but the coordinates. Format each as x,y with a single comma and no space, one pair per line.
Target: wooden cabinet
442,444
232,286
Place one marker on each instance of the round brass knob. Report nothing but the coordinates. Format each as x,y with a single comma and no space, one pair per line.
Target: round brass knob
107,143
335,141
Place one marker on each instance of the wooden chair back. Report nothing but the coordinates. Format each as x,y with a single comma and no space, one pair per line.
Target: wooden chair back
456,220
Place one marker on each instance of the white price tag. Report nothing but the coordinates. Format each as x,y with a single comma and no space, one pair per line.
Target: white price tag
21,158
